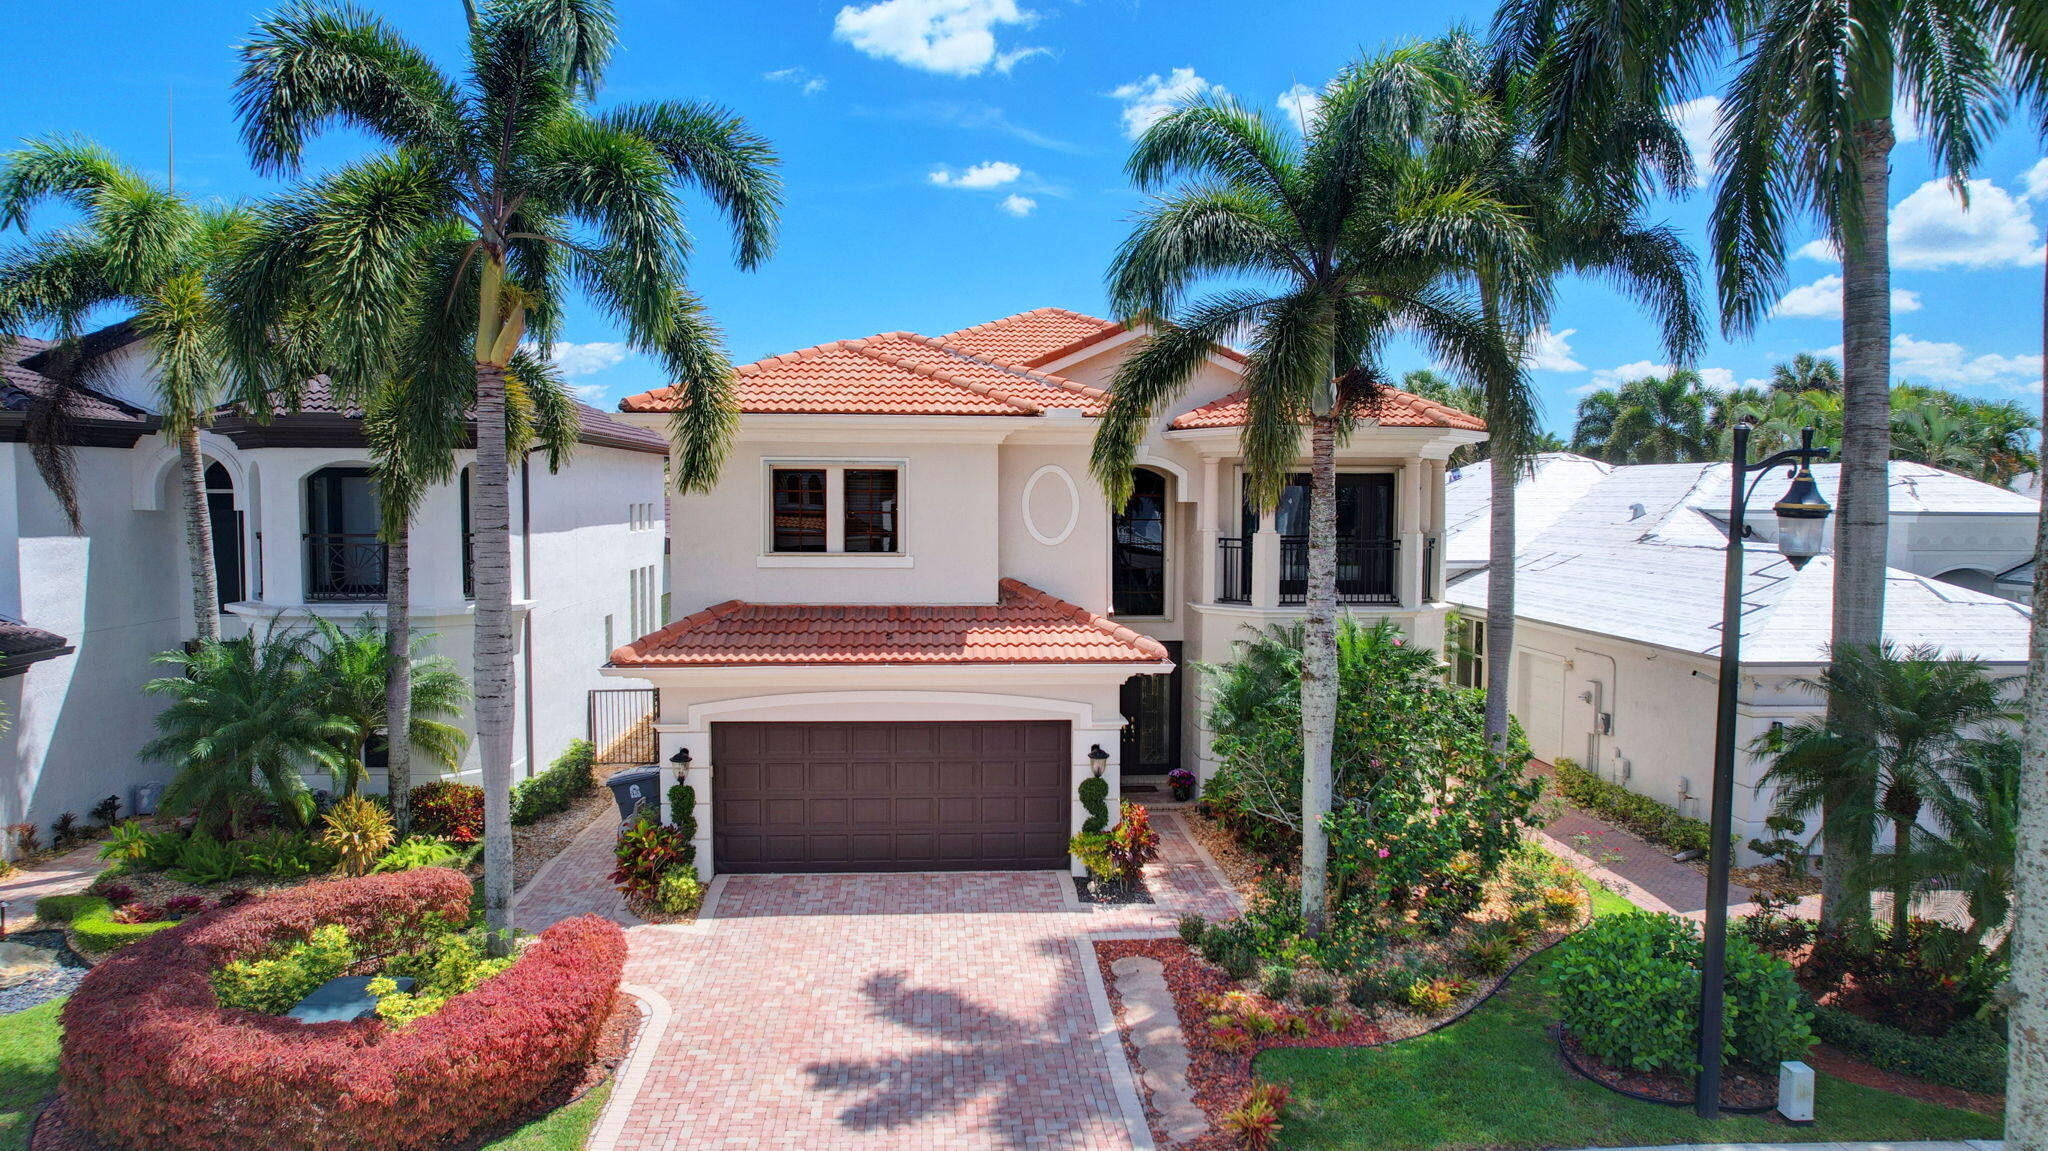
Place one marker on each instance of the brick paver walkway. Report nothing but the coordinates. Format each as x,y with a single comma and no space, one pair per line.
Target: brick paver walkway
1637,870
835,1012
72,871
575,882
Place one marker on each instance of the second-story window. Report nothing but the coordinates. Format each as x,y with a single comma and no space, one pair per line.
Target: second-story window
1138,548
344,556
835,508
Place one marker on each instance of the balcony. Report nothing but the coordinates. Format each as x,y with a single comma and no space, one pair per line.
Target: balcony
1368,571
343,567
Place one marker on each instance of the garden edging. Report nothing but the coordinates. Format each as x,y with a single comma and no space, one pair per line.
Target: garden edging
611,1122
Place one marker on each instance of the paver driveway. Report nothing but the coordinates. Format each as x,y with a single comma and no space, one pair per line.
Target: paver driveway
822,1012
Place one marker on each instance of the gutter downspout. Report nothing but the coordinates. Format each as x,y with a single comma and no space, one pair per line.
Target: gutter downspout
526,585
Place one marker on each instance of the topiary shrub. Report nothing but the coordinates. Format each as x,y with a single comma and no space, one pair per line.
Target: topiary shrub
450,811
555,789
93,924
1095,797
682,812
151,1058
1629,986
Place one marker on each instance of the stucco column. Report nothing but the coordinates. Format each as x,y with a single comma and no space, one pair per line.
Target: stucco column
1206,534
1266,562
698,776
1409,519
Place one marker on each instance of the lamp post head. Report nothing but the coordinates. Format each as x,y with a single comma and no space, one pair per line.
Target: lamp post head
1802,512
681,757
1098,760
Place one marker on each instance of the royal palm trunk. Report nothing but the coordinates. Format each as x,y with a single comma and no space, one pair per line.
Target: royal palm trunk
398,677
490,520
2026,1083
1500,591
1319,670
199,537
1862,512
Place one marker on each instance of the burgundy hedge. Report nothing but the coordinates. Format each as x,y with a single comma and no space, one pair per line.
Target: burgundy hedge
151,1059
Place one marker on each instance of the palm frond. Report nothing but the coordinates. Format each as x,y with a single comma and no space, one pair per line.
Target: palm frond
714,149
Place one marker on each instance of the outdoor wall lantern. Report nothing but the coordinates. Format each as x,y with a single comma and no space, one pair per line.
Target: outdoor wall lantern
1098,760
682,757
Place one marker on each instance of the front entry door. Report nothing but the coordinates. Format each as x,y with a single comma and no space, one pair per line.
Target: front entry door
1151,707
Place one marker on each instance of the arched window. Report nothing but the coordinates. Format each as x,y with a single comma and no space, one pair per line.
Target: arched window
1137,548
344,556
226,521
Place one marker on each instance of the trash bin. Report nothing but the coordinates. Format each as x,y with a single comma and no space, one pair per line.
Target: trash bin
636,788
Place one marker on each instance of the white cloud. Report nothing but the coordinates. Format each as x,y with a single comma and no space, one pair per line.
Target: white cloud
578,360
807,81
1697,121
1146,101
1931,228
1906,119
2036,180
1714,379
950,37
1823,298
1303,105
987,174
1017,205
1548,351
1939,362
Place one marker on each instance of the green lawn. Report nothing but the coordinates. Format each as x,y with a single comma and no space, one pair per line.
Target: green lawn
28,1072
1493,1080
28,1069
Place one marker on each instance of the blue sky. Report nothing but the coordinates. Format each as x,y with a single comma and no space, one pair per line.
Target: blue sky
951,161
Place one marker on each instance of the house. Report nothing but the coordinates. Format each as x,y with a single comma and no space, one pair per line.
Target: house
1618,598
294,519
908,624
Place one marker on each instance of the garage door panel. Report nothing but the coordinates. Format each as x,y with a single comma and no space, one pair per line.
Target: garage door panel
890,796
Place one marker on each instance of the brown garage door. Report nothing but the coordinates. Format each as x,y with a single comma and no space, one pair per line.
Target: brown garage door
889,796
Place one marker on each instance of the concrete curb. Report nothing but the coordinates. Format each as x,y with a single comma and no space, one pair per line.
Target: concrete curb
1121,1082
611,1123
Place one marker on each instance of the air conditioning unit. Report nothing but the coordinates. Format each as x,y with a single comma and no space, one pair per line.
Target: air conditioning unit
1623,770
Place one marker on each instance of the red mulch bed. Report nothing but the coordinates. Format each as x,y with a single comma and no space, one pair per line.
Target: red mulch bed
1741,1087
54,1130
1834,1062
1219,1078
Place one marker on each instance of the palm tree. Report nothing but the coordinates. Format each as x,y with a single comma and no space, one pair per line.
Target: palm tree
1657,420
352,666
519,193
1808,133
1980,816
1900,726
245,722
1594,424
1807,372
1351,236
142,247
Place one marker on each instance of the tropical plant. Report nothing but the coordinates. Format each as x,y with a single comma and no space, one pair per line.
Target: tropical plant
513,192
138,246
1979,812
1807,131
1353,234
1806,372
1651,420
359,830
244,722
1902,724
351,666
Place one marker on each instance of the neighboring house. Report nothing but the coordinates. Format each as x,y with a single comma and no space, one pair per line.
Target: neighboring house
294,518
1618,584
909,625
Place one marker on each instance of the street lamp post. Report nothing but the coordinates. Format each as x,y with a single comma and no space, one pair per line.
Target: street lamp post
1802,514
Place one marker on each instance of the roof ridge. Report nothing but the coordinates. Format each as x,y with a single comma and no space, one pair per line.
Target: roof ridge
1024,370
935,372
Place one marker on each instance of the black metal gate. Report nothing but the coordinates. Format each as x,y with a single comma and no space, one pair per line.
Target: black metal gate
622,724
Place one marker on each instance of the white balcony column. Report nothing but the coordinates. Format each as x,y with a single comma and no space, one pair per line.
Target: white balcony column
1409,517
1206,534
1266,562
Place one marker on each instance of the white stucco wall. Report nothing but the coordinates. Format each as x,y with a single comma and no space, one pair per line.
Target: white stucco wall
78,720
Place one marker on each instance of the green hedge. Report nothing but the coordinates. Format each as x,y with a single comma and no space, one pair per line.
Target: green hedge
1971,1056
553,790
1654,821
92,921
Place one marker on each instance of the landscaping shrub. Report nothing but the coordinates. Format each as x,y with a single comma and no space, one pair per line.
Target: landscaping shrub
274,985
450,966
682,811
647,850
282,854
202,859
555,789
128,842
418,851
1094,800
1276,981
359,830
1656,822
450,811
151,1058
93,923
1628,986
1921,981
1132,842
1972,1056
1191,926
680,891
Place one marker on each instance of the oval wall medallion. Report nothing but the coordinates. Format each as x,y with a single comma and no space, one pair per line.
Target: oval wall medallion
1073,494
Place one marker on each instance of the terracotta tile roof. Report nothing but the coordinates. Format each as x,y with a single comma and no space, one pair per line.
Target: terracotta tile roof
893,373
1025,626
1035,337
21,645
21,385
1388,407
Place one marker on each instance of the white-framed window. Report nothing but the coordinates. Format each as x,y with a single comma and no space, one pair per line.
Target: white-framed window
834,507
1468,652
641,597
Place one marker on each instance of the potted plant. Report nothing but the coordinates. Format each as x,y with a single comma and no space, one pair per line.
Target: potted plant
1181,782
